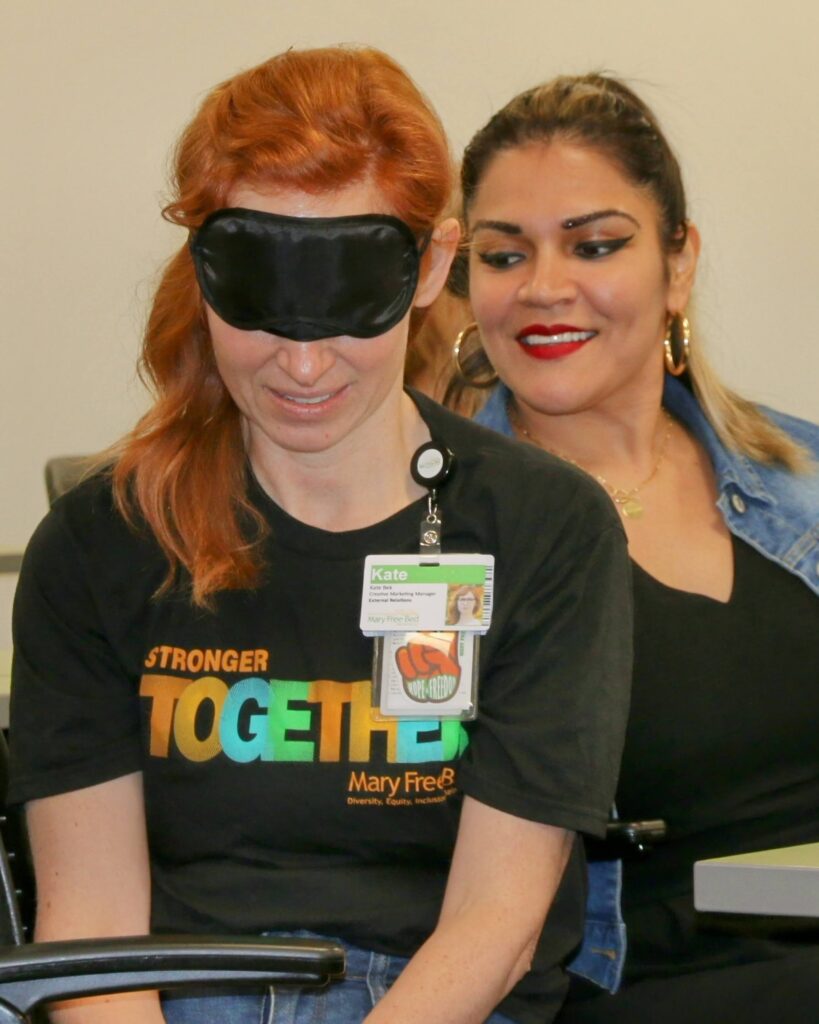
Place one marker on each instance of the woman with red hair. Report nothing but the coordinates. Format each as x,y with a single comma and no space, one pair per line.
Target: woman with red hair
193,726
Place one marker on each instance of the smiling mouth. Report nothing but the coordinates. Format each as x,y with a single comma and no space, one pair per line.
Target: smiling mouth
564,338
306,402
302,400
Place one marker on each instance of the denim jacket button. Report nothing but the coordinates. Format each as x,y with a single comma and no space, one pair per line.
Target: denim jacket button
738,503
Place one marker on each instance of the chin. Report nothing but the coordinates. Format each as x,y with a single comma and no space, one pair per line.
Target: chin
556,402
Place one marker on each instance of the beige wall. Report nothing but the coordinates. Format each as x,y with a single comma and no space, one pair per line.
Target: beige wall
94,91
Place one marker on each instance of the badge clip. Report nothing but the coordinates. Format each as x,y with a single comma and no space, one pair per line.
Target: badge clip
429,546
431,465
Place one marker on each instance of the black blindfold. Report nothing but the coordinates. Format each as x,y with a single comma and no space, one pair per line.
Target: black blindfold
307,278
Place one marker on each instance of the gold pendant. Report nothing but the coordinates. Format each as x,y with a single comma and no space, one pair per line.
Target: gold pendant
632,509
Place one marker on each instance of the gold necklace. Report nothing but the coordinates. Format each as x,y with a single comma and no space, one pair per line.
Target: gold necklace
627,499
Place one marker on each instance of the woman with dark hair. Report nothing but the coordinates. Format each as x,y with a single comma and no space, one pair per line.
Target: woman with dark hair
582,262
193,723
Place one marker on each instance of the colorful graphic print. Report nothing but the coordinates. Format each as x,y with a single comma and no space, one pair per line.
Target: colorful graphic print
262,719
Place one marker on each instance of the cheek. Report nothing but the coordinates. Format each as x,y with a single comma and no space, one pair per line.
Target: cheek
614,291
379,356
224,343
629,297
236,352
233,356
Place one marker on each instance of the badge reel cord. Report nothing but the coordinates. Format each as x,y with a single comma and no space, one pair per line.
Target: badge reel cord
431,466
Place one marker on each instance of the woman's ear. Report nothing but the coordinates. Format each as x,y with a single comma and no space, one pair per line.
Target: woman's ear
682,269
437,261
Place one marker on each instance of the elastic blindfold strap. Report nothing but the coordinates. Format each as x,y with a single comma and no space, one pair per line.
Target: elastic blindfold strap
307,278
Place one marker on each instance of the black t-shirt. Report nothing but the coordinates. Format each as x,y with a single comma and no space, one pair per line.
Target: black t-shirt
722,743
273,799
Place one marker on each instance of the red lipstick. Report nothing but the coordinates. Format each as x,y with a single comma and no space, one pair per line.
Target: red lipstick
553,342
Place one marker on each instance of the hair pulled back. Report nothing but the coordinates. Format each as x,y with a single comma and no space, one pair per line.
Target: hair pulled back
313,120
601,112
593,110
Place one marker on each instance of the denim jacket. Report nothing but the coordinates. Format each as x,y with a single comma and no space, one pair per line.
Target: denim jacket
773,510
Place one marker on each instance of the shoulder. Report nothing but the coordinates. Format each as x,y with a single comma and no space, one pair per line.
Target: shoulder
480,447
85,533
476,440
518,486
88,509
802,431
796,493
733,467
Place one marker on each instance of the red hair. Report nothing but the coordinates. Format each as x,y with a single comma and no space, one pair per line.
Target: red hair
314,120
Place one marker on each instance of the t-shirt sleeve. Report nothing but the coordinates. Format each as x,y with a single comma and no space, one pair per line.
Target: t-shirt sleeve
74,716
553,702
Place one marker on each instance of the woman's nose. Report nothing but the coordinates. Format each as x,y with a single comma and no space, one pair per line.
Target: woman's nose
549,281
305,362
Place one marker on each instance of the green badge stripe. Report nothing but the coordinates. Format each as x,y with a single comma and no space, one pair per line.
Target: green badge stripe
384,573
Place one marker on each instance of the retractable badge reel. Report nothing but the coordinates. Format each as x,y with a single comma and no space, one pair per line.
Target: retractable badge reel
425,663
431,466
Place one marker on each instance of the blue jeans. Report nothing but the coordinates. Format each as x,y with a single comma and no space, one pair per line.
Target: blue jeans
367,979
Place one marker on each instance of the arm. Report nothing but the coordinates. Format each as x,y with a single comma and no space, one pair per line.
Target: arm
93,880
505,872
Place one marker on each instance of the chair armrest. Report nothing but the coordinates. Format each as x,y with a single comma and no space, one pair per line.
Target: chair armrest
42,972
627,840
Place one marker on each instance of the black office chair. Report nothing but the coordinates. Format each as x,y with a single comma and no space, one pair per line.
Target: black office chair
35,973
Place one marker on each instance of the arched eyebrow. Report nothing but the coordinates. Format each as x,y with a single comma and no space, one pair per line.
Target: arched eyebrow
508,228
588,218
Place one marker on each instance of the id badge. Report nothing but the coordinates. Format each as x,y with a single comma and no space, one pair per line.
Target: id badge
405,593
426,674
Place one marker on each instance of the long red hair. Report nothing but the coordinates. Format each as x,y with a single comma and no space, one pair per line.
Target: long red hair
315,120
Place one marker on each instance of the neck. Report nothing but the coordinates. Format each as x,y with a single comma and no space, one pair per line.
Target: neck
618,438
360,481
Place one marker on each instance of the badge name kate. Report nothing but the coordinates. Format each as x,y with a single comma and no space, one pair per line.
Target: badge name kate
406,592
380,574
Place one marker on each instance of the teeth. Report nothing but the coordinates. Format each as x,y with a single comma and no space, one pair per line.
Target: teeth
306,401
557,339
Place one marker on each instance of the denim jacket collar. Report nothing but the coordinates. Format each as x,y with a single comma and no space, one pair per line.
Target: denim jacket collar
729,467
684,406
770,508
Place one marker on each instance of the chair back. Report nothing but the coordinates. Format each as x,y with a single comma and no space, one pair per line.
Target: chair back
12,932
62,473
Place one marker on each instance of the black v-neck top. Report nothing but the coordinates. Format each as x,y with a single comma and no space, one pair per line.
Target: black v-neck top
723,743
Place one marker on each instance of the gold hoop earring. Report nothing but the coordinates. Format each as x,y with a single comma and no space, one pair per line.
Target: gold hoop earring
456,348
477,362
676,344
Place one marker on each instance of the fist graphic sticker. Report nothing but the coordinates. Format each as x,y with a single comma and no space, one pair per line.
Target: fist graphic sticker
429,667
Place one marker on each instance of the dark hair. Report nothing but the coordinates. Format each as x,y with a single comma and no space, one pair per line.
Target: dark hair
592,110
